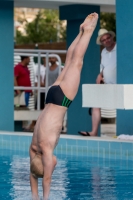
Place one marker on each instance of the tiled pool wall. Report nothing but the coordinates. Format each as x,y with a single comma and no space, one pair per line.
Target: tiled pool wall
73,146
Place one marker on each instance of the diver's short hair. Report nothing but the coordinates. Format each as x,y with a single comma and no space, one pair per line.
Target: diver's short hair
36,167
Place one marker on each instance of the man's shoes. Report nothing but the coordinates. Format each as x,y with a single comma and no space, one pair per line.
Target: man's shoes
82,133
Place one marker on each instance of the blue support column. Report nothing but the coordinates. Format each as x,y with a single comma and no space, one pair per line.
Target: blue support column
124,59
6,65
78,118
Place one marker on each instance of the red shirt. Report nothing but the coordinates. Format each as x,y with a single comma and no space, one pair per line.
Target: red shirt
22,75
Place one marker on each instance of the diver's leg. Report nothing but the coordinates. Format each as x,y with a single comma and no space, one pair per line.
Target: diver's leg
71,80
68,57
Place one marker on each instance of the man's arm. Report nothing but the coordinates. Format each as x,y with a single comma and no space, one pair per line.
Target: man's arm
100,78
41,82
16,84
16,74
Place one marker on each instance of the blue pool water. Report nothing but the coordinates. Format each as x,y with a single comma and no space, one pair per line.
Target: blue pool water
75,178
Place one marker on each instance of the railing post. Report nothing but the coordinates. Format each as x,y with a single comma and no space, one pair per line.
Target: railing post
47,69
38,92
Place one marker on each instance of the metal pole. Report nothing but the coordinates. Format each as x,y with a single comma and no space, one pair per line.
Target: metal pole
21,51
38,92
47,70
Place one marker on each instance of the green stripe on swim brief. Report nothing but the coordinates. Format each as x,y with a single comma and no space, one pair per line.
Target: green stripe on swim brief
69,103
66,102
63,101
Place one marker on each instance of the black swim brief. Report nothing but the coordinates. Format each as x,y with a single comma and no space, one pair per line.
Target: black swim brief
56,96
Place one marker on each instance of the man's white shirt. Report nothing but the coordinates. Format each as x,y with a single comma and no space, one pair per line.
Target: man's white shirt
42,73
108,65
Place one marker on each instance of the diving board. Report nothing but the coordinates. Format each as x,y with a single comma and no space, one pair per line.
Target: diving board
110,96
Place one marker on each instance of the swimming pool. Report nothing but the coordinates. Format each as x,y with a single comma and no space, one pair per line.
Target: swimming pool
87,169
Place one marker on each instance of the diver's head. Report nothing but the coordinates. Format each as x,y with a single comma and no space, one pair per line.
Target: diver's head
36,167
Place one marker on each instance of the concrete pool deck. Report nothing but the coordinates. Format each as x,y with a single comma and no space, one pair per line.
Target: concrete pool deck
108,133
103,147
107,130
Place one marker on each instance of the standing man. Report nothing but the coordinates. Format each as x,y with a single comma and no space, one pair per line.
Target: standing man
22,77
107,73
53,71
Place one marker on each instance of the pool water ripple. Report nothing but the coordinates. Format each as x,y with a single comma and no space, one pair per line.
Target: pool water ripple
73,179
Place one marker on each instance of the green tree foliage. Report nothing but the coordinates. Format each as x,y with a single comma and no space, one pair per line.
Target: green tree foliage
46,27
108,21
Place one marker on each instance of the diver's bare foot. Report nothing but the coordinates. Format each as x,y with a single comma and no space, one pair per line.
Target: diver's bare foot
90,22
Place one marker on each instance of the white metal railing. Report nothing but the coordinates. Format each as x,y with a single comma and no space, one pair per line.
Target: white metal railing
39,53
